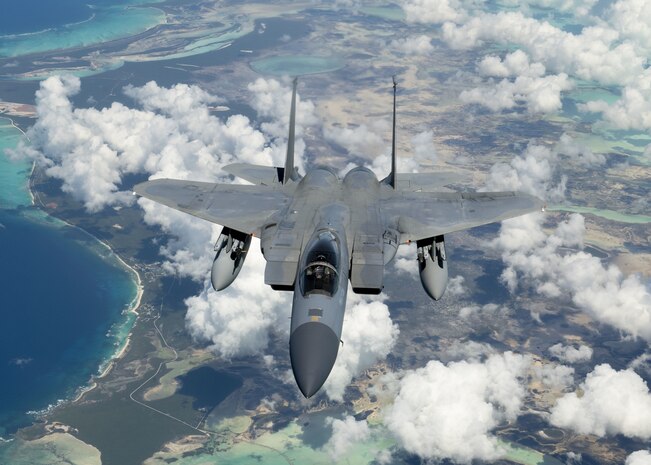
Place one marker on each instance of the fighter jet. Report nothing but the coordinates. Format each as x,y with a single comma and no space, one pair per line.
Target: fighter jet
319,231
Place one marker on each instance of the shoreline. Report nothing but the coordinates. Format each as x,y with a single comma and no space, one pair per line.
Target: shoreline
106,365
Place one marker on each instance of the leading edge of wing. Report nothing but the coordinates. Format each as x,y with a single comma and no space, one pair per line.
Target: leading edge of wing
240,207
419,215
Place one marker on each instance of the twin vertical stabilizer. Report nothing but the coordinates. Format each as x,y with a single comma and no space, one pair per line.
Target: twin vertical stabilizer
391,178
289,172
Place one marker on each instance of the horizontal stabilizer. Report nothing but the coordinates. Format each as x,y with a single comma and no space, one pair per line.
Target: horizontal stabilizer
256,174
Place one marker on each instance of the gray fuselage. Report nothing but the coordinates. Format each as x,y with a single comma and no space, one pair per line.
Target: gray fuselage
329,206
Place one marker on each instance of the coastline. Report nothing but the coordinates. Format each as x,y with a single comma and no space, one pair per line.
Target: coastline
106,364
124,346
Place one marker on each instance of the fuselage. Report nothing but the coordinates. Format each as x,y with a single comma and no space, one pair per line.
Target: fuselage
327,209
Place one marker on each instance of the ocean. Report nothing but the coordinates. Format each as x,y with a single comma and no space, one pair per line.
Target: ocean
32,26
63,301
30,16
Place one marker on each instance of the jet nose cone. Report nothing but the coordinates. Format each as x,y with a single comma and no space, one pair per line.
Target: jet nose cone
313,350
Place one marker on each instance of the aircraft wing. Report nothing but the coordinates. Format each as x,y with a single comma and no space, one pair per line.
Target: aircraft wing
419,215
426,182
244,208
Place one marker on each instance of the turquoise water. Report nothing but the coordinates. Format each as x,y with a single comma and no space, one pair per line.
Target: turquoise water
65,301
13,187
107,21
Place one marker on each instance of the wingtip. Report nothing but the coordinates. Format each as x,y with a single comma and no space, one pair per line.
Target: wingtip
140,188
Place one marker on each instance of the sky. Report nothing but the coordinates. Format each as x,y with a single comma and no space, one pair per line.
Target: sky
170,132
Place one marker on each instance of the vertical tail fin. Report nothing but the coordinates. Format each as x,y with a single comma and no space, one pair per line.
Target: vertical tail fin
391,178
290,172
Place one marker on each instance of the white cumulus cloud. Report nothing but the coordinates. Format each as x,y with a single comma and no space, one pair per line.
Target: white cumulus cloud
433,11
346,434
612,402
640,457
413,45
554,376
537,94
543,262
632,110
533,171
571,354
448,411
594,54
523,83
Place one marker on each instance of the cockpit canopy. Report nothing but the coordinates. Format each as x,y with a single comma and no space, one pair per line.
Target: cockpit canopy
320,273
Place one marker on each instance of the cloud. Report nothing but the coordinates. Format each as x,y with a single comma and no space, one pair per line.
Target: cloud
368,141
271,99
631,18
238,320
433,11
413,45
594,54
612,402
514,64
469,350
406,261
487,311
174,135
455,286
384,457
365,141
543,262
539,260
611,51
577,152
640,457
21,361
423,154
424,150
538,94
554,376
448,411
346,434
532,172
632,110
368,336
571,354
523,83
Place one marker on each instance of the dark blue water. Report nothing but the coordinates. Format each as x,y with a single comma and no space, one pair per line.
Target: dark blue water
58,300
25,16
208,386
29,16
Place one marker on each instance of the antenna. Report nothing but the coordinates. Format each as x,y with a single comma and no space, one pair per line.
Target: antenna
289,171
